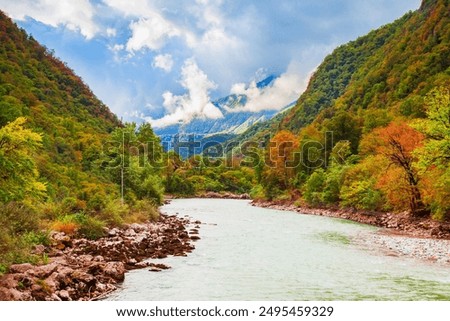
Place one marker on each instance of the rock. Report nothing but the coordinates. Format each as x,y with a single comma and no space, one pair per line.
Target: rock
143,264
113,232
130,232
43,271
20,268
15,295
116,270
159,266
64,295
62,238
155,269
137,227
38,249
8,281
132,261
53,297
84,277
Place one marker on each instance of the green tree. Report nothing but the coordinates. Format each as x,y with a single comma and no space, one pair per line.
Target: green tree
434,156
436,128
18,171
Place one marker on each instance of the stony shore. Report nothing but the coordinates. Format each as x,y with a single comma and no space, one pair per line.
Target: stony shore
81,269
399,234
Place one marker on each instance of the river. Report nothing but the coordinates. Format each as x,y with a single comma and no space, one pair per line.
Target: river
251,253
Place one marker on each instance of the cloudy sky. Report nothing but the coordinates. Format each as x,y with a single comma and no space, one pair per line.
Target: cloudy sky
165,61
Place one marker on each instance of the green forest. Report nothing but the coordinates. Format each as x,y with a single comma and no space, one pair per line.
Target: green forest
371,132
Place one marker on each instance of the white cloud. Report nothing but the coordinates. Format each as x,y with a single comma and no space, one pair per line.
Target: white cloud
151,32
111,32
74,15
283,91
195,103
164,62
151,29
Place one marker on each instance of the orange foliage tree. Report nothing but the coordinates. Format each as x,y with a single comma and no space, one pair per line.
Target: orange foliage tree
281,158
396,143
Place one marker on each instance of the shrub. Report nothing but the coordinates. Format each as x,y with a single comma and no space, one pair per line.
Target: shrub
91,227
66,226
361,195
141,212
18,217
80,224
257,192
314,186
114,212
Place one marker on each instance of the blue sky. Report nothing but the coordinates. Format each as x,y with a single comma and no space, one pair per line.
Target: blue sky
165,61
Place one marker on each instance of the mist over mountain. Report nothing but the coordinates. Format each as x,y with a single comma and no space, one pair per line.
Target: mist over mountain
236,120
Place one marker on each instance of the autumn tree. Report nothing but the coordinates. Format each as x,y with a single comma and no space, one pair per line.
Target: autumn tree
282,157
397,143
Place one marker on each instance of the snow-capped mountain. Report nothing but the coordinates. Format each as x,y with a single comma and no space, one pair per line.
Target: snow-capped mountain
234,122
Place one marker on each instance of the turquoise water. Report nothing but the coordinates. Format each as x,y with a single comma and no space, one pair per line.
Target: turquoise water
251,253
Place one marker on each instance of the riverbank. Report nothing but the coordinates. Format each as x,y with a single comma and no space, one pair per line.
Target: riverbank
81,269
221,195
400,235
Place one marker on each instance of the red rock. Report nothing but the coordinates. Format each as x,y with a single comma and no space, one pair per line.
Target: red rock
20,268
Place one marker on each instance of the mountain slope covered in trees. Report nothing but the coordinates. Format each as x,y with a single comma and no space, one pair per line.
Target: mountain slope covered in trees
365,133
391,68
60,153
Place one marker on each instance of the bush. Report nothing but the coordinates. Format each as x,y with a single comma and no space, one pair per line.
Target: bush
66,226
257,192
18,232
91,227
314,186
361,195
97,201
151,189
177,184
114,212
19,218
80,224
142,211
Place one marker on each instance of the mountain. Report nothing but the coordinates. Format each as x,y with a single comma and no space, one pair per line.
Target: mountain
372,129
233,123
391,68
58,105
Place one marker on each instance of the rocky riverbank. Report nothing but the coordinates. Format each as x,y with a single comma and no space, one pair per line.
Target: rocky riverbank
81,269
400,235
428,249
395,222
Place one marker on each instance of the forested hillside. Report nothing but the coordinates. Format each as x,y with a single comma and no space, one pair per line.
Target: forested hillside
60,148
371,131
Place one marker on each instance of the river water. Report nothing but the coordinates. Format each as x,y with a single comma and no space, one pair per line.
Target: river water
251,253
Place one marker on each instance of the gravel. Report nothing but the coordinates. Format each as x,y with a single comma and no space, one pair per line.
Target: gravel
435,250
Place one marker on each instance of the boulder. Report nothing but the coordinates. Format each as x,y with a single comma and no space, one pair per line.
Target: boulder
20,268
115,270
43,271
64,295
